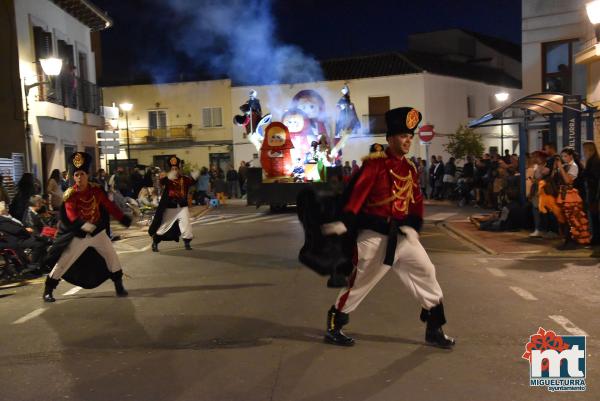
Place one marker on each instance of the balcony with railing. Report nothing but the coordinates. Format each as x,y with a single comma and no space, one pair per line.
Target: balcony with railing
173,135
72,92
146,135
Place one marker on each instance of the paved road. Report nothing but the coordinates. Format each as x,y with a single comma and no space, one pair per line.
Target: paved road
238,318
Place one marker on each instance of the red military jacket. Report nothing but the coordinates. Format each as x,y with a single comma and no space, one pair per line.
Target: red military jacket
177,189
388,186
85,205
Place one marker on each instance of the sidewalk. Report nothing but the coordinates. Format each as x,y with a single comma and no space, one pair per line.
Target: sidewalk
512,243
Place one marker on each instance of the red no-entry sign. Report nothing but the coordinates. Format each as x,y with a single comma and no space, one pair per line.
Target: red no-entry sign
426,133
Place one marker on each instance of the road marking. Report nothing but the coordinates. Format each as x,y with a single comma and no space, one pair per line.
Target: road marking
290,218
144,249
211,217
439,216
496,272
246,216
73,291
534,258
255,219
524,293
125,246
568,325
29,316
575,266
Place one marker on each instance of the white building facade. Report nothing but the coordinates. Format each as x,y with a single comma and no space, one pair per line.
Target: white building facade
190,120
559,55
445,102
64,111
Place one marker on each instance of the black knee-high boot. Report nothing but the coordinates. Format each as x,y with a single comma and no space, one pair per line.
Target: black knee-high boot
155,242
49,286
335,321
435,319
117,278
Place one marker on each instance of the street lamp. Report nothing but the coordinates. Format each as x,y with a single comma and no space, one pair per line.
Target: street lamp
502,97
593,12
126,107
51,67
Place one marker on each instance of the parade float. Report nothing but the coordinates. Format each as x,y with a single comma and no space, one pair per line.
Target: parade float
299,150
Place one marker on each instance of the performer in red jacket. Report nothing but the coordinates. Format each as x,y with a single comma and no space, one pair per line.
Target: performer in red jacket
386,207
172,217
83,224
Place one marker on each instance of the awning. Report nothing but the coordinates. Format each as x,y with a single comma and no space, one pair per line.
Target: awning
86,12
544,104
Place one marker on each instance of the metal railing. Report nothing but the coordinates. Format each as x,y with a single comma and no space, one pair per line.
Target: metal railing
154,135
71,91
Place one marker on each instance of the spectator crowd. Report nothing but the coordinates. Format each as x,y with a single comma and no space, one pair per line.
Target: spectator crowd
29,217
562,197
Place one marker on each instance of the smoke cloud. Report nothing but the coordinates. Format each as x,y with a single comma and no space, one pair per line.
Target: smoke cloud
238,39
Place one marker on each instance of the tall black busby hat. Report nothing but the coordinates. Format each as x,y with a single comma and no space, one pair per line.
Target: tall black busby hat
80,161
175,162
403,120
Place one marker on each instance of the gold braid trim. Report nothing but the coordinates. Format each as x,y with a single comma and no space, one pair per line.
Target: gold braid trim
403,192
68,193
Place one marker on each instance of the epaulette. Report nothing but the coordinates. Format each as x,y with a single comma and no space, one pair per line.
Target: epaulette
67,194
375,155
410,163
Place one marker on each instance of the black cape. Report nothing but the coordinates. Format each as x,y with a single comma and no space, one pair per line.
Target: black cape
90,269
174,233
332,254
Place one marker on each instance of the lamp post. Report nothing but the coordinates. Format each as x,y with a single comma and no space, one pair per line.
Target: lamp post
502,97
593,11
51,67
126,107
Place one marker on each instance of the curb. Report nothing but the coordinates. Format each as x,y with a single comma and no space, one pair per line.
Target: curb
587,253
468,238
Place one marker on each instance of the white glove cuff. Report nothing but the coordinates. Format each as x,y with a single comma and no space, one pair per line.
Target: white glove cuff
88,227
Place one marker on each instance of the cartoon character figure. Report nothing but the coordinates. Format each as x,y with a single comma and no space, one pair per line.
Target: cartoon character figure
275,152
252,113
313,105
299,127
347,118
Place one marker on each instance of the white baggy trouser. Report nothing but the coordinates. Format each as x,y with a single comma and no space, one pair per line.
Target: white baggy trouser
179,215
100,242
411,264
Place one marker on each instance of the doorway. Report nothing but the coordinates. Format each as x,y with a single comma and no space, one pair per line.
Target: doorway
221,160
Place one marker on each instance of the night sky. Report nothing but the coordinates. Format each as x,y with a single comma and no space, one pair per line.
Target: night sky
139,47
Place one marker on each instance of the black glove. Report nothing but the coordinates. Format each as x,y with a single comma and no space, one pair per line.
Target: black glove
126,221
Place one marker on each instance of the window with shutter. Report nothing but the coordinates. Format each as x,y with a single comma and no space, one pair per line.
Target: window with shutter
162,119
152,120
157,119
217,117
206,118
212,117
42,43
